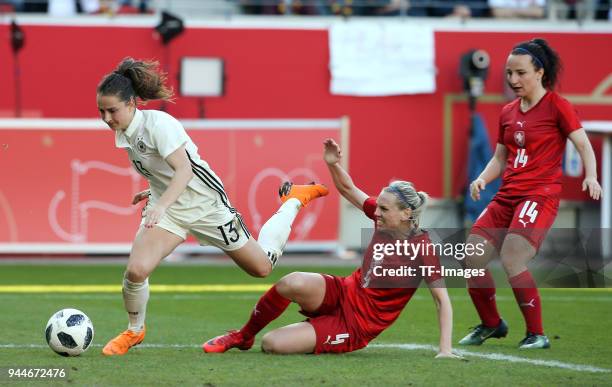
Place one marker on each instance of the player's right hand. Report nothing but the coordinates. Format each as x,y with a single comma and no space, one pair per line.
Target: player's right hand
332,153
591,185
140,196
475,188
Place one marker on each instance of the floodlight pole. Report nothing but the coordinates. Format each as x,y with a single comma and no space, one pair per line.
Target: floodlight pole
169,28
17,40
17,74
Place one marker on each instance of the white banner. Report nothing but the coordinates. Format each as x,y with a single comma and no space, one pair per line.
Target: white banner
381,59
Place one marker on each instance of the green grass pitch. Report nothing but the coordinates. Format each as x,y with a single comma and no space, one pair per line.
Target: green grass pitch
578,322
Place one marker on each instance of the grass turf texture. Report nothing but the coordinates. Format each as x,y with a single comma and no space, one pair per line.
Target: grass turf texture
581,321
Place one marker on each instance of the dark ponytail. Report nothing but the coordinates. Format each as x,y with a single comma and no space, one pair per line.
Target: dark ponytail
133,78
542,56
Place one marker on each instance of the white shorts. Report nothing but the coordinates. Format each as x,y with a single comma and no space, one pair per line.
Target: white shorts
221,226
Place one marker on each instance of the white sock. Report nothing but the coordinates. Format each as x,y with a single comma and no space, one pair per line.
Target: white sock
135,298
275,232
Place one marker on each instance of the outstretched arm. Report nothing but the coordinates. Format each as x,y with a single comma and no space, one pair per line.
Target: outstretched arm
445,318
584,148
342,180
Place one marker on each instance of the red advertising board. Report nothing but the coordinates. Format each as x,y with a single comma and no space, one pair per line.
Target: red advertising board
66,186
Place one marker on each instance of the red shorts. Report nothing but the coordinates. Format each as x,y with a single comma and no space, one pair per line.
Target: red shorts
529,217
334,333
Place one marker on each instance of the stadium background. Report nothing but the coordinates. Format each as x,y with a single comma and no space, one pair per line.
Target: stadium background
280,70
275,69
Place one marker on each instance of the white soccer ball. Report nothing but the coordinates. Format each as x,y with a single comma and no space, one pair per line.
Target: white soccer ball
69,332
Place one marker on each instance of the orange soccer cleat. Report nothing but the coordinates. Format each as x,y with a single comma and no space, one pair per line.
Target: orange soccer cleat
303,193
233,339
122,343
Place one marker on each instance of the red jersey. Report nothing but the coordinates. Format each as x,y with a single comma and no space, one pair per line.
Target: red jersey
376,308
535,141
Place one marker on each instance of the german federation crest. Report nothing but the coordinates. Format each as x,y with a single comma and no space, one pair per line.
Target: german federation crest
519,138
140,145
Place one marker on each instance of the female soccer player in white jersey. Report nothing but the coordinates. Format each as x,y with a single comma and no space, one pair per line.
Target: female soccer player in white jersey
186,196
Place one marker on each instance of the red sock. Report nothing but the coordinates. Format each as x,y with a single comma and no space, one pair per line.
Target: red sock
527,296
482,291
269,307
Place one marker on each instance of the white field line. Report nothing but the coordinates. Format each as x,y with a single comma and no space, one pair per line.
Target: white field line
406,347
256,295
117,296
498,356
175,288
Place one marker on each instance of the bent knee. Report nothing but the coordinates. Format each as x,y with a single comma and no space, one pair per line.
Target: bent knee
517,246
512,257
137,273
261,271
291,284
507,260
269,344
513,267
468,262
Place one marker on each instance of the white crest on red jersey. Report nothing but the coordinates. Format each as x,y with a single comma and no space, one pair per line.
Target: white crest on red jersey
519,138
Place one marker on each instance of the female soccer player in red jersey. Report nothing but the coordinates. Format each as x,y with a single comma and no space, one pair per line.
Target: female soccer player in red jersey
346,313
185,195
532,135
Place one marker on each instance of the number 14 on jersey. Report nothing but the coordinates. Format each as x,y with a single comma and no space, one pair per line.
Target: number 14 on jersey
521,158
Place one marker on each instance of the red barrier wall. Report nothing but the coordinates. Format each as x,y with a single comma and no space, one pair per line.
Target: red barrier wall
276,73
76,187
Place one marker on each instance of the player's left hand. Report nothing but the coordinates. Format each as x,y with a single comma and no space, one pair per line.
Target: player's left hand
593,186
447,355
332,153
154,215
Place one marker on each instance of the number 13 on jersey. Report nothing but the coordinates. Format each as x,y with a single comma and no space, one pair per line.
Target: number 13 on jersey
232,232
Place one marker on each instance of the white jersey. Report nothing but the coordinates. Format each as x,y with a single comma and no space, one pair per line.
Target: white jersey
149,139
